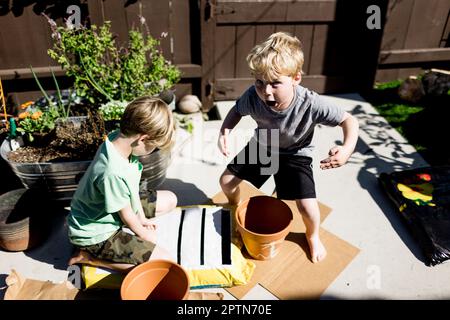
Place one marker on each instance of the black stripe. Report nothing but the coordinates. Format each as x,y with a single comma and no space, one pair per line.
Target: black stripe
180,233
202,239
226,236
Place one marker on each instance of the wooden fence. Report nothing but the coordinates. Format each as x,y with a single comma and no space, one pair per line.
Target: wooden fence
209,40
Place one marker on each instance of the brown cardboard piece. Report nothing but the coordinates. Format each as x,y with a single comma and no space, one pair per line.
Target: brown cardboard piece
21,288
291,274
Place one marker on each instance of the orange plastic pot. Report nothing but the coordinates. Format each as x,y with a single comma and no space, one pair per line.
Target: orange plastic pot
263,222
156,280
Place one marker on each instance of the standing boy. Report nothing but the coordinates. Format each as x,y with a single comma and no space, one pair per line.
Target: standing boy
286,114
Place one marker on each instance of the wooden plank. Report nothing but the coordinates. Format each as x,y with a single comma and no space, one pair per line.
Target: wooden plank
385,75
182,89
187,71
445,40
304,33
245,41
182,31
256,11
404,73
114,11
396,26
190,70
25,73
225,52
427,22
414,55
157,15
232,88
18,48
263,31
95,8
318,48
208,31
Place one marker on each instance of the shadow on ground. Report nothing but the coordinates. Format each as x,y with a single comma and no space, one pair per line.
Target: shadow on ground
187,193
3,285
376,128
56,249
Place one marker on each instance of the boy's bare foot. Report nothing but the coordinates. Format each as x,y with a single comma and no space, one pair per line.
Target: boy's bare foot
80,256
317,249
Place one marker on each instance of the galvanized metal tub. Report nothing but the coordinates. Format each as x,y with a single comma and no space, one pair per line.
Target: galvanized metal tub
61,179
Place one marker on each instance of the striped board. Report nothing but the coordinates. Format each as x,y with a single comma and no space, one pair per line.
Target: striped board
197,237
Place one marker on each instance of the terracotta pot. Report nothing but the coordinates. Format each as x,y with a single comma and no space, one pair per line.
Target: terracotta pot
156,280
24,219
263,223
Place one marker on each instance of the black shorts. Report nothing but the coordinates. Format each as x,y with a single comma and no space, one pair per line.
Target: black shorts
293,177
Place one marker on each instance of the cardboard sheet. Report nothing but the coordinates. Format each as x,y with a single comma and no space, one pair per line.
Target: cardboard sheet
291,274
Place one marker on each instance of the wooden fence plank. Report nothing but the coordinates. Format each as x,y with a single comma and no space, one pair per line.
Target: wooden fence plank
208,32
245,41
232,88
274,11
414,55
263,31
304,33
181,31
427,22
225,51
317,56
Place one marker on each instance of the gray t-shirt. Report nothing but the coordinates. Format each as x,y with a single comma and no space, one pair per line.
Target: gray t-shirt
294,125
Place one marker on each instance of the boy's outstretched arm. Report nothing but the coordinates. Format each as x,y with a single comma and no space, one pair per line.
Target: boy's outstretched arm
133,221
339,155
231,120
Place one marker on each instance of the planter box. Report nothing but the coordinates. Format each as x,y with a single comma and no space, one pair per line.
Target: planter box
61,179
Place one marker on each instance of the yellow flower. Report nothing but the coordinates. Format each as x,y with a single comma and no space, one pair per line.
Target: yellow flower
24,115
36,115
26,104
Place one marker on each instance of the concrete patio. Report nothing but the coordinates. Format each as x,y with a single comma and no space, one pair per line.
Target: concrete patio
390,263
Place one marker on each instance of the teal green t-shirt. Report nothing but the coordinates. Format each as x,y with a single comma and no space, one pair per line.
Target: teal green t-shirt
110,183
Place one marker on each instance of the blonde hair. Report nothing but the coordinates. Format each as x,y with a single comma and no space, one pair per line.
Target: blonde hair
279,55
150,116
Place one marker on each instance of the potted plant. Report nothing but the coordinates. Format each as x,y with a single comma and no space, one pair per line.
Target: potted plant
106,77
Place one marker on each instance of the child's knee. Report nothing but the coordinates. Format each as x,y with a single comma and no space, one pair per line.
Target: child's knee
228,181
170,201
173,200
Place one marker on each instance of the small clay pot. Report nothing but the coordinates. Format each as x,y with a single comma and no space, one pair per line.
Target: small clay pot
263,222
156,280
24,219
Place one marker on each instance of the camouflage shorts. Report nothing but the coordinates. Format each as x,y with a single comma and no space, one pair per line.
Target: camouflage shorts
148,201
123,247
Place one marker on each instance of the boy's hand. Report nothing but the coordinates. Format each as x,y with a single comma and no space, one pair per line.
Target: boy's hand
338,156
222,142
150,236
148,223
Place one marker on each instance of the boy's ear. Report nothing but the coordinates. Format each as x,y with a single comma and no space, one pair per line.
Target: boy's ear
142,137
298,78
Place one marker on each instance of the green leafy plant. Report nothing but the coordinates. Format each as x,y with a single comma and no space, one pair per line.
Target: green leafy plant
113,110
60,107
42,119
37,121
388,85
103,72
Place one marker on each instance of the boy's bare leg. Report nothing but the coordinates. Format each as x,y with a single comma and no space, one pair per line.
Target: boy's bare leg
230,186
309,209
166,201
85,257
